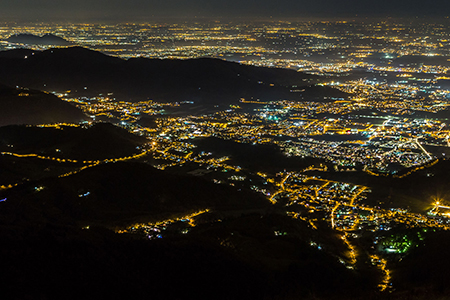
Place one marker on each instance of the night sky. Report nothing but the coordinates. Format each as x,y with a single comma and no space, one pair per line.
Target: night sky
47,10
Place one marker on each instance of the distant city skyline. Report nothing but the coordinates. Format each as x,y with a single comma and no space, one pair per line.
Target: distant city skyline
120,10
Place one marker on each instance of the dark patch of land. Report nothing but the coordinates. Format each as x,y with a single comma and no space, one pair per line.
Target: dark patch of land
41,220
417,191
99,141
257,158
46,244
205,80
322,93
413,60
228,260
126,192
24,106
30,39
339,137
423,272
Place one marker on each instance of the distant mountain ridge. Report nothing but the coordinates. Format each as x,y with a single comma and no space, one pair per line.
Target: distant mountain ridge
31,107
46,39
204,80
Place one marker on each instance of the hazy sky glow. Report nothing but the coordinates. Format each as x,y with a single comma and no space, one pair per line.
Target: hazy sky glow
46,10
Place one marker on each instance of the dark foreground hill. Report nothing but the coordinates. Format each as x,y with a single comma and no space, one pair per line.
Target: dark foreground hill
23,106
125,192
49,256
30,39
424,270
245,248
98,141
52,263
210,81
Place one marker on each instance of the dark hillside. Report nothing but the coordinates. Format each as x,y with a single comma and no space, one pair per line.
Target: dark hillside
30,39
99,141
209,81
125,192
23,106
